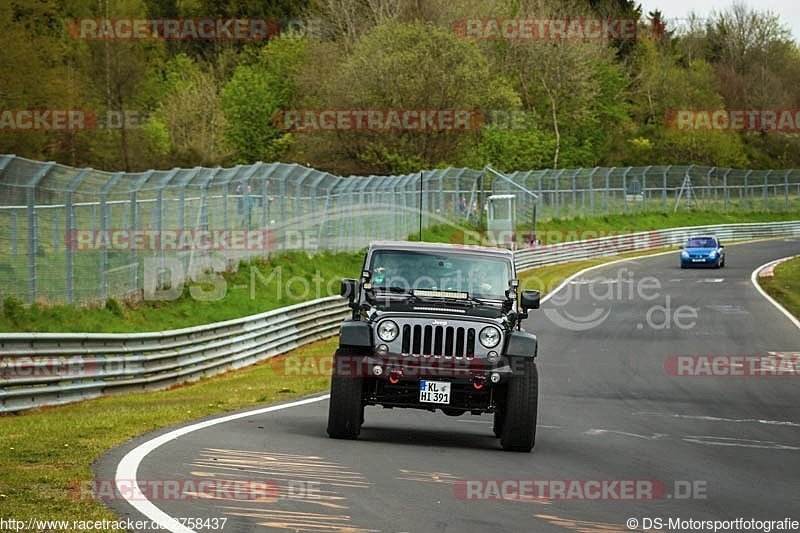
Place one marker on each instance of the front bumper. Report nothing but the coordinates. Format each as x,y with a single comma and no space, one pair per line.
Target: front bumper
699,261
393,381
456,370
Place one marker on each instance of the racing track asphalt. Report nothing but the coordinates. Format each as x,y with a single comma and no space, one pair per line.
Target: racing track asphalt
608,411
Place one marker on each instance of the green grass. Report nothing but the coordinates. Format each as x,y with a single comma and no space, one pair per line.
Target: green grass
653,221
784,285
258,286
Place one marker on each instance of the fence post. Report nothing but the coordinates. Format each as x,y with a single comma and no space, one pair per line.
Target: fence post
716,189
14,249
766,190
33,243
556,192
786,189
747,190
103,228
69,223
134,225
575,191
283,197
442,210
182,209
726,193
644,188
625,190
707,194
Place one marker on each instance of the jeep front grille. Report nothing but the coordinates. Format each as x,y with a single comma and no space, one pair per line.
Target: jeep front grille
438,341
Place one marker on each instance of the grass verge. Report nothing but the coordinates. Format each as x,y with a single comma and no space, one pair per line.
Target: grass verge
257,286
784,285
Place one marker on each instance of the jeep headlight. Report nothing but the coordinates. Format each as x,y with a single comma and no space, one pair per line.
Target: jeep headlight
489,336
388,330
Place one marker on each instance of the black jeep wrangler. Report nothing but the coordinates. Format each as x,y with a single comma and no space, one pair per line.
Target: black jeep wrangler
437,326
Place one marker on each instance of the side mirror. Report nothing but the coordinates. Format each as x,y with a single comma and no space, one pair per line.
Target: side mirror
530,300
349,289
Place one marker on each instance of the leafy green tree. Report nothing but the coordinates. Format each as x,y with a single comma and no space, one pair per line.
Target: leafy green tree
190,111
255,96
407,66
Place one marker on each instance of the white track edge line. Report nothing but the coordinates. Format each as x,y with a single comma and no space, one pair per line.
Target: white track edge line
128,467
770,299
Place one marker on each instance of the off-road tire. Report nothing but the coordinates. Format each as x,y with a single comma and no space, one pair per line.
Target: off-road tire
346,411
518,431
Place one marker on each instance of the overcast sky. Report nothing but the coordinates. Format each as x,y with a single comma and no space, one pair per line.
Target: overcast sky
788,10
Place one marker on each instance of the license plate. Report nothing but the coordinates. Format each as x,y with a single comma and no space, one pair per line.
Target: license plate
434,392
698,260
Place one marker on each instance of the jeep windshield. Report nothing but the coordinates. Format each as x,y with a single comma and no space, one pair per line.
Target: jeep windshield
406,271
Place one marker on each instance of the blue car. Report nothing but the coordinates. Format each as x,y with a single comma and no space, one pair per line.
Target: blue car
703,251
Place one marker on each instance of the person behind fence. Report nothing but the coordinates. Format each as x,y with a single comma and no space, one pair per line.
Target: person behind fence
245,205
462,205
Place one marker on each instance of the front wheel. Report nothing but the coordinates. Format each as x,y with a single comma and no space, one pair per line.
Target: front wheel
346,411
518,432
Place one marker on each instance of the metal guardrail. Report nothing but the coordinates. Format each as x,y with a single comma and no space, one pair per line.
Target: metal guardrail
55,368
648,240
39,369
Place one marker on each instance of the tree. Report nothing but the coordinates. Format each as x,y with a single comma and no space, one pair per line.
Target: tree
406,66
750,49
190,109
574,86
255,95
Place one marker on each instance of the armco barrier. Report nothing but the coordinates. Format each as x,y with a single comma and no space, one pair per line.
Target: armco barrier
39,369
648,240
52,368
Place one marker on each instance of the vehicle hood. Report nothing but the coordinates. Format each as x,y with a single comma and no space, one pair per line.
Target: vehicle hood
483,311
703,251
